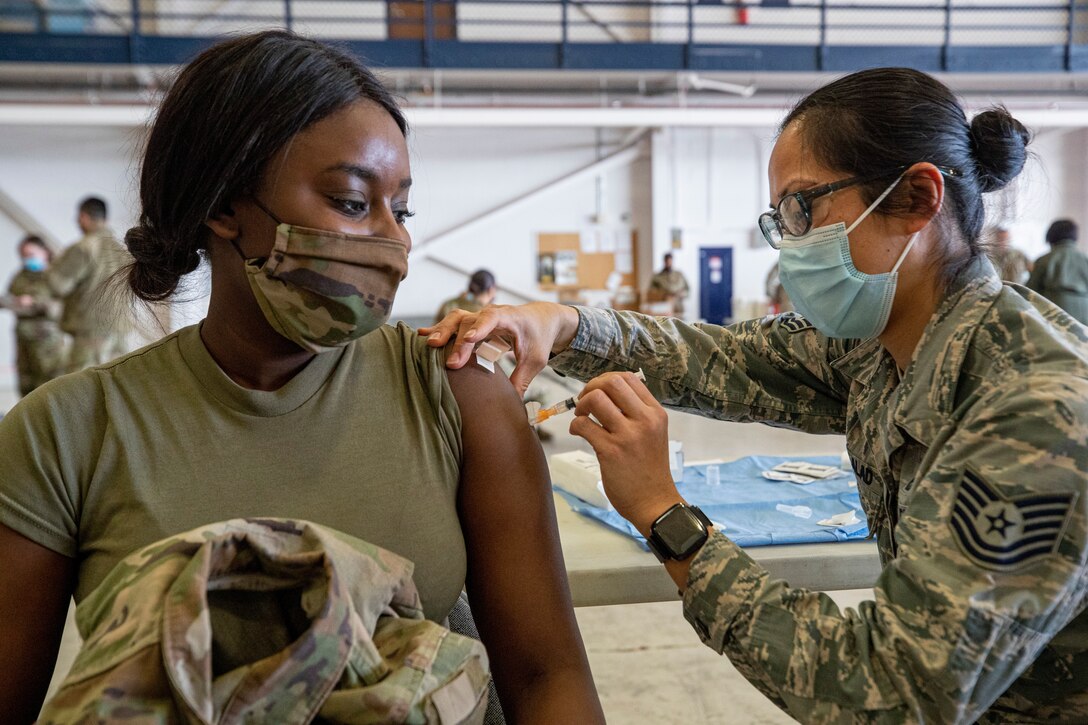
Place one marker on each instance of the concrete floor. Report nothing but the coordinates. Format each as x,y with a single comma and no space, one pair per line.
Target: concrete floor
650,667
648,664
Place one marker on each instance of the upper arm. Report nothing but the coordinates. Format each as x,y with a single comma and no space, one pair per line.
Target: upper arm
35,586
996,537
516,579
51,442
1020,456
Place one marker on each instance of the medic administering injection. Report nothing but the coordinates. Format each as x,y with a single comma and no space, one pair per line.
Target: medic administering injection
538,415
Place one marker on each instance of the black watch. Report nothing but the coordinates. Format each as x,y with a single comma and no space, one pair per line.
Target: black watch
678,533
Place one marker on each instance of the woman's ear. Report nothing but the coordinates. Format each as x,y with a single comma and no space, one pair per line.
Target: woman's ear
925,184
224,224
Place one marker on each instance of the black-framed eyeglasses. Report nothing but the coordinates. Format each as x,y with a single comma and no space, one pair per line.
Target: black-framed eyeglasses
793,215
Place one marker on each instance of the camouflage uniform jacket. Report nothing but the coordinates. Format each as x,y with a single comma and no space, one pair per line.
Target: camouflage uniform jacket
40,321
79,276
323,625
973,469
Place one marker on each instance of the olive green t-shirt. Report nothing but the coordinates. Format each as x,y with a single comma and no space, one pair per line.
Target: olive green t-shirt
366,440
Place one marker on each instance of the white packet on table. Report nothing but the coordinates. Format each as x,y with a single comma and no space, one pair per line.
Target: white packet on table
844,519
812,470
788,477
801,512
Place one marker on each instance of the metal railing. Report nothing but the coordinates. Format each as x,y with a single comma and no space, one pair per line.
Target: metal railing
651,34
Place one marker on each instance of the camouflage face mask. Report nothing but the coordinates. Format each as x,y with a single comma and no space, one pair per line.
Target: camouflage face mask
322,289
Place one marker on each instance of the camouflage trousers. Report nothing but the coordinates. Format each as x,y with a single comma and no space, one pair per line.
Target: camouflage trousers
37,361
90,350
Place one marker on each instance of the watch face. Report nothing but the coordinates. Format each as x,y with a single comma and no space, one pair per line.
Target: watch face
681,531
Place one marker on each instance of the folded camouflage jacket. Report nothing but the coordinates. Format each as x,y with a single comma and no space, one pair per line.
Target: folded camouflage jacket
266,620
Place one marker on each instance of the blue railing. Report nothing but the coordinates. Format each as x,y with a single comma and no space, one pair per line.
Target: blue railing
770,35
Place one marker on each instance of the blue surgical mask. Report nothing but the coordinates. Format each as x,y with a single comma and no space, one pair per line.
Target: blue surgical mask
33,264
828,290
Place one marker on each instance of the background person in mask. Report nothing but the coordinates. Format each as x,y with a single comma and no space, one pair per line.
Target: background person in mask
292,398
39,343
964,404
480,293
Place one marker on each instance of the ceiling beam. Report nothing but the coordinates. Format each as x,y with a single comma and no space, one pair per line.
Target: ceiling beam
130,116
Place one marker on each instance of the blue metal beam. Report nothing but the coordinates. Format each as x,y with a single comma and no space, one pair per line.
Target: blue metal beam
1009,59
55,48
171,50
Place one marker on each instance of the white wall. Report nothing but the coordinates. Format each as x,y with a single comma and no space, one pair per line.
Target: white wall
710,183
1054,185
459,174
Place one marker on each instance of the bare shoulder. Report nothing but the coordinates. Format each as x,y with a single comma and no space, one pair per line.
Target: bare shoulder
490,406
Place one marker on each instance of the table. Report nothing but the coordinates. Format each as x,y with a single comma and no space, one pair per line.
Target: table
606,567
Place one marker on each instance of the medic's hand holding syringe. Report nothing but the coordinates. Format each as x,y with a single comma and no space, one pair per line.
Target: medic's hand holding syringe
538,415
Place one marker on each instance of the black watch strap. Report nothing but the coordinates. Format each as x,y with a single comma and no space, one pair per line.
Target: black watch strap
679,532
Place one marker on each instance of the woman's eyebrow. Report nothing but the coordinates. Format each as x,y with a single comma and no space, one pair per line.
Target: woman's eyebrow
368,175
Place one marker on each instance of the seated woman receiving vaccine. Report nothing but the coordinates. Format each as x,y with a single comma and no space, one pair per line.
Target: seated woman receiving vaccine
283,163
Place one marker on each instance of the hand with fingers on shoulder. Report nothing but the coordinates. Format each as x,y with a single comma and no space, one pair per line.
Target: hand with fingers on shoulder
631,438
534,331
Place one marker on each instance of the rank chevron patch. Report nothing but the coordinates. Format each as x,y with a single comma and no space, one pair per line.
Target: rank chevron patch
1002,534
793,323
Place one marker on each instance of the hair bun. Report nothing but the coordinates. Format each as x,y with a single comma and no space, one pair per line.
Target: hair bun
141,243
999,144
158,265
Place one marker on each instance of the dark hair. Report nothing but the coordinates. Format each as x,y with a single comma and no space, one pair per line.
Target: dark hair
1062,230
888,118
35,240
93,207
481,281
667,255
229,111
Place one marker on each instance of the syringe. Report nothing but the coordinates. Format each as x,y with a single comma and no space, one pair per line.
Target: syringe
562,406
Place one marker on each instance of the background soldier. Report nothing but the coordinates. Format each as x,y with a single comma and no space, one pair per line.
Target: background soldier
669,285
39,343
1061,275
79,277
1012,264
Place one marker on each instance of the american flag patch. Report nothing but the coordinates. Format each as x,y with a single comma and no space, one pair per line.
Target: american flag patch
1003,534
